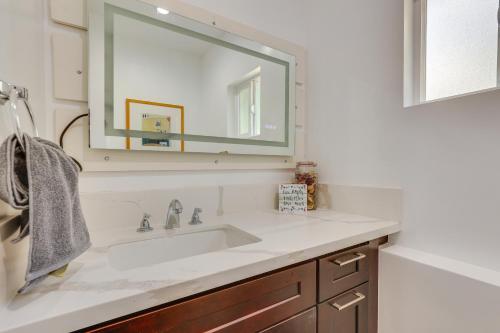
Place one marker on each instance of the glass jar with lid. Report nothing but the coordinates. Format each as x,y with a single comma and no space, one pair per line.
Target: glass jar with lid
306,173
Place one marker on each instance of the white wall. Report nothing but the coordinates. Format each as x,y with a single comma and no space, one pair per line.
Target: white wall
282,18
21,54
444,155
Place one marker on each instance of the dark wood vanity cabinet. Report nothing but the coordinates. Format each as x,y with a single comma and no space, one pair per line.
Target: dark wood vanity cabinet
251,306
346,313
347,283
304,322
336,293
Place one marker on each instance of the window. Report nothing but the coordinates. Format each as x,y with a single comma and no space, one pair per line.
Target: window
451,48
247,106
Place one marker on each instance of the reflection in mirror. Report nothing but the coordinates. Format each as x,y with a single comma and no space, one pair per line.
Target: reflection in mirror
174,84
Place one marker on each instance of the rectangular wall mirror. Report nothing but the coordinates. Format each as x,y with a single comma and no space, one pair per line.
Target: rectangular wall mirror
159,81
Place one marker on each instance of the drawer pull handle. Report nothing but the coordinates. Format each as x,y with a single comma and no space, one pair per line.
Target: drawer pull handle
358,257
359,298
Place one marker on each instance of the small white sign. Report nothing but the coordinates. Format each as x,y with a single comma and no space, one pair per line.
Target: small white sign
293,198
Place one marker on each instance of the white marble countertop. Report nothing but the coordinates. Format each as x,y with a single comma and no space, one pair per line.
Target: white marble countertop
92,291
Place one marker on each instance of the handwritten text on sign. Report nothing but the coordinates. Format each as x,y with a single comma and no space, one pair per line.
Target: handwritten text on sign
293,198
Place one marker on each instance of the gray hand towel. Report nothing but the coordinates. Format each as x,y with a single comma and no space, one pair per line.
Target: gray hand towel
43,183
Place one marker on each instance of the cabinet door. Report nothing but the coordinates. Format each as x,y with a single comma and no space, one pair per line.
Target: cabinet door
248,307
346,313
304,322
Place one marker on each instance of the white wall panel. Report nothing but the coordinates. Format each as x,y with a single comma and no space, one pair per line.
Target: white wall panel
300,105
69,12
70,73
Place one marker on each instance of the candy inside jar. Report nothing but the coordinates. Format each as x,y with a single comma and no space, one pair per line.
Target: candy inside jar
305,173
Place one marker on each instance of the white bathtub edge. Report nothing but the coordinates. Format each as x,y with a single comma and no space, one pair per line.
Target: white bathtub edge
464,269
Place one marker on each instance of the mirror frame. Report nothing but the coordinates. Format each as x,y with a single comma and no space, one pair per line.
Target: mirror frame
100,135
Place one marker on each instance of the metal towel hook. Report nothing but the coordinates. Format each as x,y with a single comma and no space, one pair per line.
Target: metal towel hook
12,94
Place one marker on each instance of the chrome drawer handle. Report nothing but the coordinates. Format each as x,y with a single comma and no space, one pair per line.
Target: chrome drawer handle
358,257
359,298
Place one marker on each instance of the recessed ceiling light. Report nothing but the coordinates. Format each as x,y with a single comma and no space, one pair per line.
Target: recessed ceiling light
162,11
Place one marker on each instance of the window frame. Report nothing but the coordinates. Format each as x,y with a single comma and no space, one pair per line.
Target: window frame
254,129
415,53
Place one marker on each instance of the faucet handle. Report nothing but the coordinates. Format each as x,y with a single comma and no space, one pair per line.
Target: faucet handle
195,219
145,225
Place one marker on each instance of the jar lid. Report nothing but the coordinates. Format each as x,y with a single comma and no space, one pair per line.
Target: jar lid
307,163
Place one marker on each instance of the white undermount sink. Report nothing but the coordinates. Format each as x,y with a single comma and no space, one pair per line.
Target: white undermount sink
180,245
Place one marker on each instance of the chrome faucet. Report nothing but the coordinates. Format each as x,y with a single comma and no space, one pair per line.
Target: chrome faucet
195,219
145,225
173,218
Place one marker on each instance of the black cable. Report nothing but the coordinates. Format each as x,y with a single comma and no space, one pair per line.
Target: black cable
77,163
61,137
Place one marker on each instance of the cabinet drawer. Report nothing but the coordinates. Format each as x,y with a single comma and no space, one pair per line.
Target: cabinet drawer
247,307
343,271
346,313
301,323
